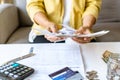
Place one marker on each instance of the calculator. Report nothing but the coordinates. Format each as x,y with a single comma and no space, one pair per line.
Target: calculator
15,71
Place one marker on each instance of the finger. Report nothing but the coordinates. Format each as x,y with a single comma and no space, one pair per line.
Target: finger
84,30
49,30
81,30
53,38
78,32
87,39
54,29
81,40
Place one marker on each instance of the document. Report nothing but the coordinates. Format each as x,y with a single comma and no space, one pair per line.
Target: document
48,58
53,57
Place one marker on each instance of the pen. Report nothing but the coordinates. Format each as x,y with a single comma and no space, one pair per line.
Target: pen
30,54
31,50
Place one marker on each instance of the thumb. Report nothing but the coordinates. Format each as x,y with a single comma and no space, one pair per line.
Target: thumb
54,29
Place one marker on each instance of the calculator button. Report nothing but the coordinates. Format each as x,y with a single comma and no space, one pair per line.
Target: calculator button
5,69
14,72
18,70
7,65
29,68
13,69
25,67
26,70
15,76
11,74
17,67
1,68
15,64
23,72
9,70
19,74
21,66
10,66
6,72
1,71
21,69
4,66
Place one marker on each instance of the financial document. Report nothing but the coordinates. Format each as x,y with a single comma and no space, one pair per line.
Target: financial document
52,57
48,58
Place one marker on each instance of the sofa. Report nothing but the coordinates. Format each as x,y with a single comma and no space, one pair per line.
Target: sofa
109,19
15,23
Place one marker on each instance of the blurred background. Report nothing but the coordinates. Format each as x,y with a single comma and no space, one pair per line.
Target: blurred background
6,1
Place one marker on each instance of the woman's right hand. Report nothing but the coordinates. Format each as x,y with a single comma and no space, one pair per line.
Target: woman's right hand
53,28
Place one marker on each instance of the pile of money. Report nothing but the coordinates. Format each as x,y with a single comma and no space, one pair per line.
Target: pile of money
106,56
113,65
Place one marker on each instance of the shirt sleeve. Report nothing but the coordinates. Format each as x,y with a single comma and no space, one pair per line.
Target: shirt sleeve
34,6
92,8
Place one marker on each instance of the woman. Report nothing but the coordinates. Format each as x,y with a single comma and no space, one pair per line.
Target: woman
50,14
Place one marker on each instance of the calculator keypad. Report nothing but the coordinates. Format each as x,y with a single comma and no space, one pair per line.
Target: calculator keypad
15,71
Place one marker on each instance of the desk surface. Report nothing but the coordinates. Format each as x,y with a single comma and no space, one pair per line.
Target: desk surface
91,52
48,58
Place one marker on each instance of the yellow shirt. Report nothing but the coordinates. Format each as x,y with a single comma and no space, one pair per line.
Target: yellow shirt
54,10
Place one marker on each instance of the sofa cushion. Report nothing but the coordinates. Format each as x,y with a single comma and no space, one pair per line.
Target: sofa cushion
8,21
20,35
23,16
112,36
110,11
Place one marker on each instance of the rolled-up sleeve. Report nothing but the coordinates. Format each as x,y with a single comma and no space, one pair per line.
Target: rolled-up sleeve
92,8
34,6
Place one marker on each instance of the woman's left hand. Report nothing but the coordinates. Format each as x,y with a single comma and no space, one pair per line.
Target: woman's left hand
82,30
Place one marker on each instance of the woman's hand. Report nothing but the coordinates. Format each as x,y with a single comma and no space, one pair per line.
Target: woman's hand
53,29
82,30
53,38
42,19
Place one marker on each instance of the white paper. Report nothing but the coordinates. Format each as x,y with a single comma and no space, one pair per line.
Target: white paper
48,58
70,32
10,52
96,34
52,57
